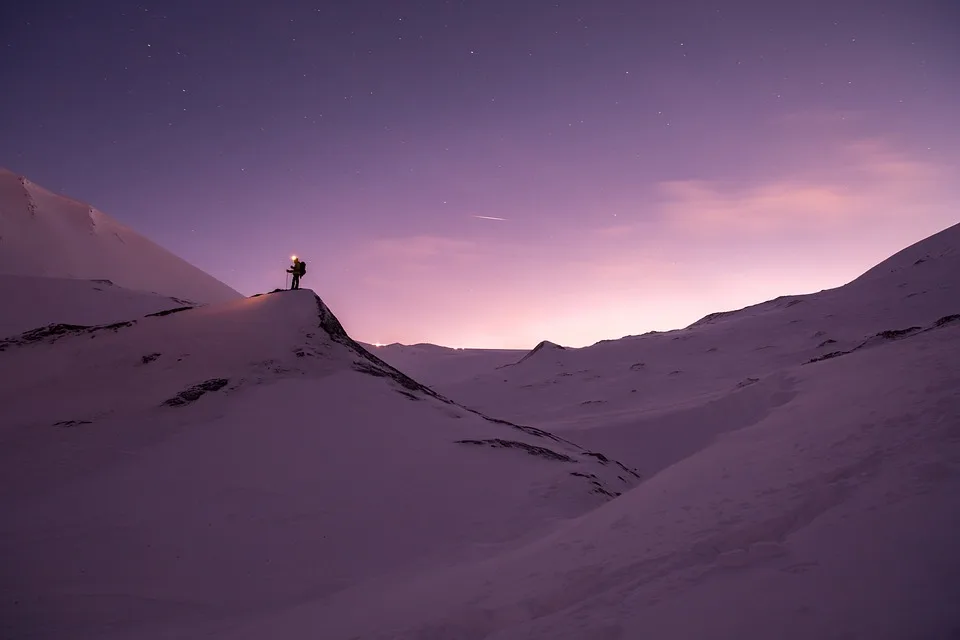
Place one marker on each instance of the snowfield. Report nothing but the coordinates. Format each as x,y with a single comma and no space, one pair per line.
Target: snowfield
230,459
243,469
35,301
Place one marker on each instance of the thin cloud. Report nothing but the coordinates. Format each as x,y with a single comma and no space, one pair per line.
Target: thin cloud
489,218
711,206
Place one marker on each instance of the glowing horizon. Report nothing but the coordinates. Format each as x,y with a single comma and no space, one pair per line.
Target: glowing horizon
572,174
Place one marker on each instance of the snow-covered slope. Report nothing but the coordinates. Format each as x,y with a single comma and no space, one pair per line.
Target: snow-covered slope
30,302
45,234
729,358
194,469
836,517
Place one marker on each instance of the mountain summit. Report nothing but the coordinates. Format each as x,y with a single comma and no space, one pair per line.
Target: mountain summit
49,235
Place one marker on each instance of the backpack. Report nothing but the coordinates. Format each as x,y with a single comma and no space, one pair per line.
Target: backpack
303,268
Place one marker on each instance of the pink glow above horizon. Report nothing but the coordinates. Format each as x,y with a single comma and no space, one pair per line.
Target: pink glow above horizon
494,175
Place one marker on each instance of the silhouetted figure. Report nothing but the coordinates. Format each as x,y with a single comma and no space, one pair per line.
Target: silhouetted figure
298,269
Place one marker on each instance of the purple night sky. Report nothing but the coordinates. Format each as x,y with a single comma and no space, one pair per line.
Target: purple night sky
492,173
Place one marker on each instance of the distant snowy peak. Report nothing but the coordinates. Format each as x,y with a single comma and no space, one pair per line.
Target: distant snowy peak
544,346
35,200
49,235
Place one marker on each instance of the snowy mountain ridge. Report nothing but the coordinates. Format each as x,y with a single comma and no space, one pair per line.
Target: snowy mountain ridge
49,235
603,383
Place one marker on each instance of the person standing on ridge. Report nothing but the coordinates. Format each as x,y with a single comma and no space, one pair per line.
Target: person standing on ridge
298,269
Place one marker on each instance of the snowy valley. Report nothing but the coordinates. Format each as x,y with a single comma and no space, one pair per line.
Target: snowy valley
180,461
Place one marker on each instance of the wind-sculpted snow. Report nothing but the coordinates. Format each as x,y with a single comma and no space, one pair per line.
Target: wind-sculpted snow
887,335
30,302
51,333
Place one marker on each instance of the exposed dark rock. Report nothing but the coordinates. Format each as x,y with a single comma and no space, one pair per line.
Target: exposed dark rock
147,359
828,356
593,402
602,459
793,303
53,332
581,474
747,382
889,334
637,366
373,369
116,326
195,392
599,488
628,470
826,342
533,450
167,312
945,320
893,334
71,423
50,331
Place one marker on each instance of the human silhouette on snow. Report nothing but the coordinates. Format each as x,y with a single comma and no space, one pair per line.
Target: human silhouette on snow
298,269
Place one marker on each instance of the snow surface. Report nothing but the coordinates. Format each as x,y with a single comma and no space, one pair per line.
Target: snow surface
31,302
138,503
245,470
45,234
